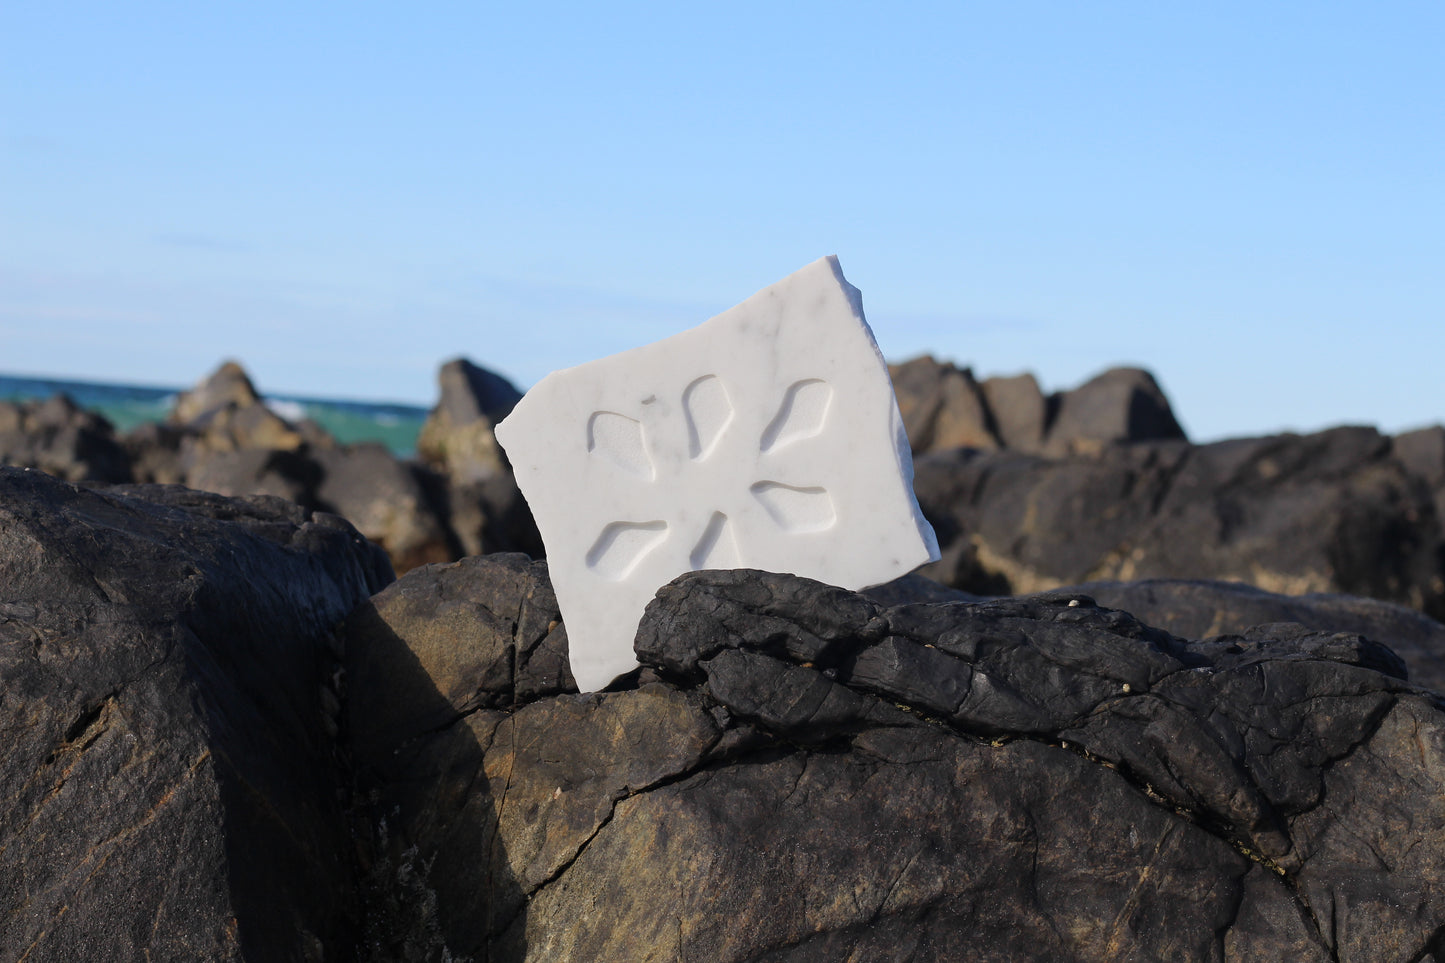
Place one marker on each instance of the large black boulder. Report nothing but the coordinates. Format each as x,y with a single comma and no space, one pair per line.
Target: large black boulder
168,694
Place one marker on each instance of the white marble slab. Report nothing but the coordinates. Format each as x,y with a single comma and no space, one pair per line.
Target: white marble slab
767,437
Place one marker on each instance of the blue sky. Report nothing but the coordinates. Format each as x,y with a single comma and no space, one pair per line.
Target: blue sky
1245,198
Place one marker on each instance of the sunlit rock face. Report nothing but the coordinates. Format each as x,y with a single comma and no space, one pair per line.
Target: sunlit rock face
767,437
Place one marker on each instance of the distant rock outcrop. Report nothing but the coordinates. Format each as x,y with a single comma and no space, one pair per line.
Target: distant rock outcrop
457,437
224,413
944,408
1331,512
228,387
1422,452
396,503
1120,405
222,437
488,512
58,437
1020,411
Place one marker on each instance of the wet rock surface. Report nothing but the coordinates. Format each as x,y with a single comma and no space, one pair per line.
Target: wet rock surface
800,773
168,698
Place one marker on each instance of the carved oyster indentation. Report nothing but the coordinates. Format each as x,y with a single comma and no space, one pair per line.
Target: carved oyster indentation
802,414
718,547
795,509
620,440
709,411
622,545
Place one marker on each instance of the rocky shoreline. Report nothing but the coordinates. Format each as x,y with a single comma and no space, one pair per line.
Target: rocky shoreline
456,498
235,734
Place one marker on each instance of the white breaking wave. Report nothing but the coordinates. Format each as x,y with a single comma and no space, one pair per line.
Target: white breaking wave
290,410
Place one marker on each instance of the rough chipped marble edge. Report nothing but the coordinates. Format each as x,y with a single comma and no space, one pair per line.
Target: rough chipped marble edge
558,381
902,450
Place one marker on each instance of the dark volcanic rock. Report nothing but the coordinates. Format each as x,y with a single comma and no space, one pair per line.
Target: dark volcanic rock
224,413
227,387
282,472
388,500
1199,608
1331,512
1218,797
222,438
942,406
168,701
917,588
436,665
1423,453
1020,411
399,505
457,437
1120,405
58,437
485,508
154,450
1205,608
492,516
802,774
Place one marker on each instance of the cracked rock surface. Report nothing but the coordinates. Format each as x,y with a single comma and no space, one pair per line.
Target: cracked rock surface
168,771
799,773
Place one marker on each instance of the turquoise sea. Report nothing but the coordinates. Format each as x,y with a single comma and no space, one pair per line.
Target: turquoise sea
126,406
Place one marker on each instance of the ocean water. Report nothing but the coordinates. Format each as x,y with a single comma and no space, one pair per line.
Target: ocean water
126,406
